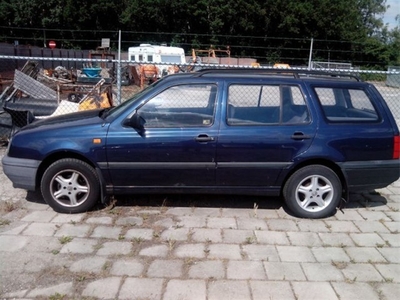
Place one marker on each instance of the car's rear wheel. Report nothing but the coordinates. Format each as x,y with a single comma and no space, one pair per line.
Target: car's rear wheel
70,186
313,192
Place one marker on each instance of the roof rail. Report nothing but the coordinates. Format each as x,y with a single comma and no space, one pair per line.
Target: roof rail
296,73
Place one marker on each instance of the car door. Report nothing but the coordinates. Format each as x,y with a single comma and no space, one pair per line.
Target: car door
266,127
175,148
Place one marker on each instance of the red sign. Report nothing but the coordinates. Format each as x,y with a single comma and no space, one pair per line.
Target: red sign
52,44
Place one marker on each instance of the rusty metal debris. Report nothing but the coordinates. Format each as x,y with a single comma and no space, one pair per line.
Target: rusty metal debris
32,87
42,91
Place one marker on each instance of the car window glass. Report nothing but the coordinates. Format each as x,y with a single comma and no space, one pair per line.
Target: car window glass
346,105
360,100
181,106
297,96
266,104
326,96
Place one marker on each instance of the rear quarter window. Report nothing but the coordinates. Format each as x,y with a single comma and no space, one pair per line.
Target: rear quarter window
346,105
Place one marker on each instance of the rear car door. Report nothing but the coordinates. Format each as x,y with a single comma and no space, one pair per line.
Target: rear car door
177,145
266,127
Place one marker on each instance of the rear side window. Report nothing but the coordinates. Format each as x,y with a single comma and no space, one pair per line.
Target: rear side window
266,105
346,105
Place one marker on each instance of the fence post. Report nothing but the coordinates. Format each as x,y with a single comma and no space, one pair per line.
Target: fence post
119,70
310,56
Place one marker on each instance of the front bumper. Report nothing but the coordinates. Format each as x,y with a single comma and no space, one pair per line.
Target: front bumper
21,172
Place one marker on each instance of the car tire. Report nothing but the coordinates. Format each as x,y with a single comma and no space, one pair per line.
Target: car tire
313,192
70,186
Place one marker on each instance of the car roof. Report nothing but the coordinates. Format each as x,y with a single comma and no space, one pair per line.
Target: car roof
269,73
289,73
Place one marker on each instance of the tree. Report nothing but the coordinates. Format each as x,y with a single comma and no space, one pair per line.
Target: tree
269,30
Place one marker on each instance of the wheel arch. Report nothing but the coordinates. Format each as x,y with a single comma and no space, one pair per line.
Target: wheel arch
57,156
323,162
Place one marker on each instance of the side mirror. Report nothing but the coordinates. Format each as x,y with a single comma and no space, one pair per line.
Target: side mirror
136,121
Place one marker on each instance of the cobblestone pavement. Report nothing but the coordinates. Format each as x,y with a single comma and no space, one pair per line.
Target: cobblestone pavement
195,247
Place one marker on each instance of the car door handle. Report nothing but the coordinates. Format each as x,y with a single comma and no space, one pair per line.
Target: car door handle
204,138
300,136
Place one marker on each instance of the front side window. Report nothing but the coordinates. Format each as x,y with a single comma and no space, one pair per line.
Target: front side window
181,106
266,104
346,105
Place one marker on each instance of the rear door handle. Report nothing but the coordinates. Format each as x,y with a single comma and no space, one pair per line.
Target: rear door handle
202,138
300,136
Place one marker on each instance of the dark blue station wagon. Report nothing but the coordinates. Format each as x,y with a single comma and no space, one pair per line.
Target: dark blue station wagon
310,137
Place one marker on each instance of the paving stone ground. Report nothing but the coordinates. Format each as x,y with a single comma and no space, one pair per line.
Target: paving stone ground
199,247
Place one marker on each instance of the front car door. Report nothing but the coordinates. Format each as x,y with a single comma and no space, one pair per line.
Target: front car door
177,145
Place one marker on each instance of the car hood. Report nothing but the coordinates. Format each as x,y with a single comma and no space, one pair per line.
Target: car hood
82,117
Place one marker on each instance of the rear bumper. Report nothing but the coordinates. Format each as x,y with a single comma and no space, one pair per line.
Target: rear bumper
21,172
367,175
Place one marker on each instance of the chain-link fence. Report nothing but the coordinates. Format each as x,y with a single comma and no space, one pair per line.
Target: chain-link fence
38,87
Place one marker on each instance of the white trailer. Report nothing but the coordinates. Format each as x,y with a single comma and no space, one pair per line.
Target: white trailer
155,54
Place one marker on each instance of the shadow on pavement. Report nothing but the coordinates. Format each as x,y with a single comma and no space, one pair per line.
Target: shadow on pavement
182,200
367,199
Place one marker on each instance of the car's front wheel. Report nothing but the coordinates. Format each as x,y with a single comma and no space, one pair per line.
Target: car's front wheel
70,186
313,192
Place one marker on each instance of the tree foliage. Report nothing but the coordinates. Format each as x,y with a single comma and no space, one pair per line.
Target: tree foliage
270,30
